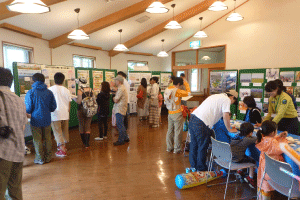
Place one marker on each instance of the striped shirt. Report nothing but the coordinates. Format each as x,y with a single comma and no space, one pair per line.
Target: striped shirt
13,148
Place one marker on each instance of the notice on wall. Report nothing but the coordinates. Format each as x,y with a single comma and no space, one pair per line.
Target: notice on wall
69,72
84,74
165,78
97,81
109,76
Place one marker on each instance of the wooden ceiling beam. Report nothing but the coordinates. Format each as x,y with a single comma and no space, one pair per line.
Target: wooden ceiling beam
20,30
139,53
86,46
5,13
106,21
191,12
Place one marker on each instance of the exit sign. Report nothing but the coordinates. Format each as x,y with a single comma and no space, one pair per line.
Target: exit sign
195,44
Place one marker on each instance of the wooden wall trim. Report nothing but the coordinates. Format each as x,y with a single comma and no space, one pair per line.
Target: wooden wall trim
219,66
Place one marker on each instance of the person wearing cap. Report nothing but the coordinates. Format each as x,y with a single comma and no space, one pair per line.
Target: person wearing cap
84,122
40,102
127,86
201,122
120,107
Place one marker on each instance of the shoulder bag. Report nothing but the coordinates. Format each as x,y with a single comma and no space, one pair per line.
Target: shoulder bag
5,131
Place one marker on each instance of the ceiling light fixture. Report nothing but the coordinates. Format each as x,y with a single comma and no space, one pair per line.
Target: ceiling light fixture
157,8
173,24
78,34
162,53
120,46
205,58
200,34
234,17
218,6
28,6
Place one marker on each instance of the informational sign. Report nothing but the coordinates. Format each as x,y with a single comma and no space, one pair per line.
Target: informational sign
195,44
164,80
84,74
97,80
109,76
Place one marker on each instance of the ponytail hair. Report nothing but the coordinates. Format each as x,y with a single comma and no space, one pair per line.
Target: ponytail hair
267,128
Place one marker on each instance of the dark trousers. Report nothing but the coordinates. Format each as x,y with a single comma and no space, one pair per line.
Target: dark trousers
102,122
200,138
121,128
291,125
126,121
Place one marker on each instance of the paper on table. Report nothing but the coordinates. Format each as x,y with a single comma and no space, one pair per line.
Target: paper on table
186,98
256,84
298,99
245,84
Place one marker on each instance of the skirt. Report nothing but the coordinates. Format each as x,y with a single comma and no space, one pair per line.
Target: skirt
154,115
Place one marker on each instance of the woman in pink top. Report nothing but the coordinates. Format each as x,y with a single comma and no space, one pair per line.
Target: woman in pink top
160,102
268,142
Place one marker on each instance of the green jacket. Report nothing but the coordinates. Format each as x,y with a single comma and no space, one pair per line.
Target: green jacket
283,106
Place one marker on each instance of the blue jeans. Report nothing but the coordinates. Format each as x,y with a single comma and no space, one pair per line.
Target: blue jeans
200,138
121,128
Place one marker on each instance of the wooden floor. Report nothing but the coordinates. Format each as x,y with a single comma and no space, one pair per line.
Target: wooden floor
141,169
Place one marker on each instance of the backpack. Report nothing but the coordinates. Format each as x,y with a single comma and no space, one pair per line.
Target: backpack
89,105
170,103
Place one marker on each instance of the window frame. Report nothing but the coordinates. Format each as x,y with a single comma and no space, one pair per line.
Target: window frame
135,61
87,57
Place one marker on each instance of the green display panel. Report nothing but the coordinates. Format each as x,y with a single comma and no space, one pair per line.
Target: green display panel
251,83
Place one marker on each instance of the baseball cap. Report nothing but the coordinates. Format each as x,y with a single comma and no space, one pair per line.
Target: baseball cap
233,93
119,78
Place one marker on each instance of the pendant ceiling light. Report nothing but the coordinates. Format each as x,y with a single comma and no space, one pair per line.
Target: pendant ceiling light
162,53
28,6
173,24
78,34
120,46
157,8
205,58
234,17
218,6
200,34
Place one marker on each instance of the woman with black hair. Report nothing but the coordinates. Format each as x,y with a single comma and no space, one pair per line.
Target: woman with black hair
154,104
253,113
142,100
282,109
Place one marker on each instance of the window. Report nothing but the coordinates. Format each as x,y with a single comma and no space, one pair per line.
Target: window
180,72
14,53
195,86
83,61
132,65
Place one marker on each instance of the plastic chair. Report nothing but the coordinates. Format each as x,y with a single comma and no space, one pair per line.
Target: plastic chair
221,154
280,181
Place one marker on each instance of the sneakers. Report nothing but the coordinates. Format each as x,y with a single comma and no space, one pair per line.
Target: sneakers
250,182
98,138
40,162
177,152
105,137
61,153
154,126
118,143
169,150
27,150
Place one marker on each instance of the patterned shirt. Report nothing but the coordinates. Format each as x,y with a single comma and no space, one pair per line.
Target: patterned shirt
122,96
12,148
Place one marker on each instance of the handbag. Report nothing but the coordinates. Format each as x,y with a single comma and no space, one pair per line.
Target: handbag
5,131
140,95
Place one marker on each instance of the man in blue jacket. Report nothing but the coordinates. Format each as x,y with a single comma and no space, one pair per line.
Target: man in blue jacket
40,102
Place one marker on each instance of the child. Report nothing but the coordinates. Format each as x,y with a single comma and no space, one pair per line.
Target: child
239,144
268,142
253,113
160,102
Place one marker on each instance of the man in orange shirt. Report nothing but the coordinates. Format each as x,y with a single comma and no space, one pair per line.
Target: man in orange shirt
172,98
185,85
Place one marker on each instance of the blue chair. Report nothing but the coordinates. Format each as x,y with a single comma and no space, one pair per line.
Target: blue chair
221,154
280,181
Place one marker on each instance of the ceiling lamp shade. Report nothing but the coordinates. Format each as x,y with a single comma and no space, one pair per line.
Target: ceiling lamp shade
157,8
200,34
120,46
234,17
162,53
218,6
28,6
173,24
78,34
205,58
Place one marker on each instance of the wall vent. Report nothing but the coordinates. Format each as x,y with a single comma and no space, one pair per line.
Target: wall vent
143,19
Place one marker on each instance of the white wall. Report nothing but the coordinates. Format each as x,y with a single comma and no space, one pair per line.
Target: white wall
268,37
64,55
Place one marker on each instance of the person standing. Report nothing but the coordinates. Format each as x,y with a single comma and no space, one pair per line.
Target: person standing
185,86
84,121
160,102
142,101
281,109
172,98
12,114
40,102
60,117
121,108
201,122
127,86
153,103
103,110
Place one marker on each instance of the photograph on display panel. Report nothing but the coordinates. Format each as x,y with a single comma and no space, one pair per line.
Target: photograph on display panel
287,76
215,82
84,74
258,77
246,78
229,80
290,90
257,93
272,74
297,76
244,93
297,92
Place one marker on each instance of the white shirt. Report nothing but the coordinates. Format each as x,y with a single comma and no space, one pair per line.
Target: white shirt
127,86
154,91
211,110
63,97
